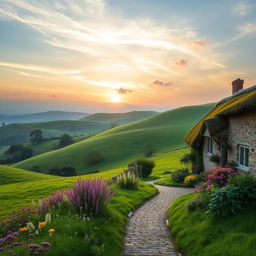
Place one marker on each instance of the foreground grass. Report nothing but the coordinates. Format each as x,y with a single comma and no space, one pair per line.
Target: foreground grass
70,230
195,234
21,194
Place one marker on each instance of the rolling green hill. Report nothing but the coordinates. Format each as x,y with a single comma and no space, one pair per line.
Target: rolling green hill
164,131
10,175
19,133
116,119
45,146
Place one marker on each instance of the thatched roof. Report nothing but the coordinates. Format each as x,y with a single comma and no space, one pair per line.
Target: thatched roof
240,102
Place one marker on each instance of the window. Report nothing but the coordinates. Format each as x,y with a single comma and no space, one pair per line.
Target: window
243,157
209,146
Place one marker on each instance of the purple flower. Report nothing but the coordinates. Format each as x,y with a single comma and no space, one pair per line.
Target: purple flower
46,244
33,246
1,249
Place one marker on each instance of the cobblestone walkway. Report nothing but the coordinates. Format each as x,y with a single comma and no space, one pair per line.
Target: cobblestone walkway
147,232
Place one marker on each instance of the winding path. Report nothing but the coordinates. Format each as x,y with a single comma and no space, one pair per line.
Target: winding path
147,232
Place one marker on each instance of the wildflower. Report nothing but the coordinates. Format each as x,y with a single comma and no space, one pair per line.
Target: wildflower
42,224
33,246
48,218
51,231
23,229
1,249
30,226
46,244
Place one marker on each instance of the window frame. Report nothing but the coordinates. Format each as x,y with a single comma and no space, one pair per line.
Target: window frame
241,164
209,145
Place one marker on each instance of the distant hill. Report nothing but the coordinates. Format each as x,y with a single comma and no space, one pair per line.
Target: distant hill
116,119
164,131
42,117
19,133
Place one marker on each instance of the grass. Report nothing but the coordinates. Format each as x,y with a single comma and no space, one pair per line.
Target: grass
70,230
195,234
170,183
20,194
164,131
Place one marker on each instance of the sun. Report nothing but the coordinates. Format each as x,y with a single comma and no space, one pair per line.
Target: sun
115,98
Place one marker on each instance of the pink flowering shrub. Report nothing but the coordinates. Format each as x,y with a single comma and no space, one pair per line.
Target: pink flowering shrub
219,176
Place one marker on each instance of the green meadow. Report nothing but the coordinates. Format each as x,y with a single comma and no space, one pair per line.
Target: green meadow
164,131
15,193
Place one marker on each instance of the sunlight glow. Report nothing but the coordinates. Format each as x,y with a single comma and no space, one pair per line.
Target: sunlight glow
115,98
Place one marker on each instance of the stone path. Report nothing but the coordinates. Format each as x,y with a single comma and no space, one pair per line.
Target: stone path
147,232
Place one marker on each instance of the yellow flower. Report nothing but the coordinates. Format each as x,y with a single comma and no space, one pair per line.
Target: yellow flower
42,224
51,230
23,229
190,179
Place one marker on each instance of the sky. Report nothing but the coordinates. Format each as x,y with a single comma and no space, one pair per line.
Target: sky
123,55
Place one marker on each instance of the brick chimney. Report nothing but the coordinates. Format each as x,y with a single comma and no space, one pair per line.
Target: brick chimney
237,85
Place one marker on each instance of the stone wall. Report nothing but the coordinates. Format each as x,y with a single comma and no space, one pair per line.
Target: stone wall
242,131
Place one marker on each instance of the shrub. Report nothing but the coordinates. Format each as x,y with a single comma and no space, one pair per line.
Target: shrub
225,201
65,171
190,180
231,164
219,176
89,196
94,157
199,203
127,180
179,175
247,186
16,153
146,165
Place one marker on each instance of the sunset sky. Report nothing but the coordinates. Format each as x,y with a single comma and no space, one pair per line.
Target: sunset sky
122,55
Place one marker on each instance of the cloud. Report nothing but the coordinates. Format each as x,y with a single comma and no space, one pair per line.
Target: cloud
37,68
242,8
182,62
121,90
247,28
161,83
198,43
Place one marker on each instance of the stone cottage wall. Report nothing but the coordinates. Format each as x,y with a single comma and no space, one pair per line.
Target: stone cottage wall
242,130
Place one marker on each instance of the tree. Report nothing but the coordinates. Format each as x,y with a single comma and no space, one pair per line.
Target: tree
36,136
149,150
17,152
65,140
94,157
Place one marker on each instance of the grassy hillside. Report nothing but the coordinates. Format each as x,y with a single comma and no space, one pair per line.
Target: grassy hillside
119,118
10,175
17,195
164,131
42,147
19,133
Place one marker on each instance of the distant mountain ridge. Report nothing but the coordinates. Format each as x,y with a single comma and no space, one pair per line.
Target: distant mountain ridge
42,117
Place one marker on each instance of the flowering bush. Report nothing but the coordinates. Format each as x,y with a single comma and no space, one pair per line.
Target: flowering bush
190,180
89,195
219,176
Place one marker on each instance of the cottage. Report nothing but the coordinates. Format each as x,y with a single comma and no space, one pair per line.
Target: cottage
227,134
